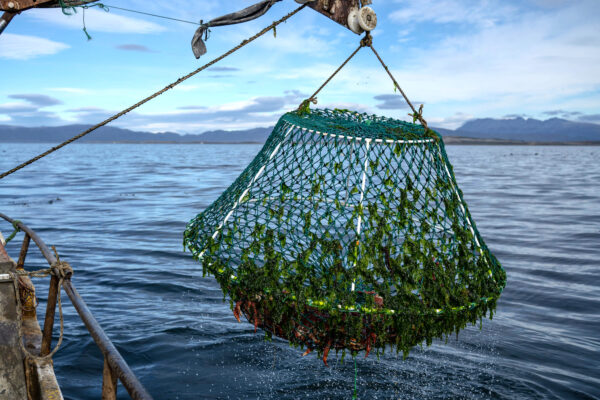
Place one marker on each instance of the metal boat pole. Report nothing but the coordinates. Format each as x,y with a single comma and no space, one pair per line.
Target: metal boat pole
112,356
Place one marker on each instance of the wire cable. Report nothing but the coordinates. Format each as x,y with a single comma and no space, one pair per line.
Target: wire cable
145,13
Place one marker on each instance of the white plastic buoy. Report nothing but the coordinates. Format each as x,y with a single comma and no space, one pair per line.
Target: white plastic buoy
353,22
367,18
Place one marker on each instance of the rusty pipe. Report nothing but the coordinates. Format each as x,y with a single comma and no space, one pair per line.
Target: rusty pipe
112,355
48,255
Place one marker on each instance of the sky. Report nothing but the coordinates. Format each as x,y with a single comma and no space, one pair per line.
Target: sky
462,59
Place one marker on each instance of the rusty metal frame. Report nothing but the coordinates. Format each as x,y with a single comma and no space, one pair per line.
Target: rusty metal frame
115,366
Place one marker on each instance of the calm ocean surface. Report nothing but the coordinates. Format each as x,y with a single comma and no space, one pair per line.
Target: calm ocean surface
116,212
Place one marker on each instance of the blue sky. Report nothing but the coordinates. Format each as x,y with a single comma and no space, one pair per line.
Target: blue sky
463,59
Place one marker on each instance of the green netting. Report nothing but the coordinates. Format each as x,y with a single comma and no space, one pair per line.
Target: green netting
348,231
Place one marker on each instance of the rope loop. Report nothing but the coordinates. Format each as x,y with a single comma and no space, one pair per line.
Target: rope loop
62,270
17,230
66,9
29,357
206,26
367,41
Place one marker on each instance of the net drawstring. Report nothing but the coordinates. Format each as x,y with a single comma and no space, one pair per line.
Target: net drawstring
355,395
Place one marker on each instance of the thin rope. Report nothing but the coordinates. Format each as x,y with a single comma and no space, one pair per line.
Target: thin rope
156,94
313,97
145,13
335,73
417,115
17,230
84,27
64,271
355,395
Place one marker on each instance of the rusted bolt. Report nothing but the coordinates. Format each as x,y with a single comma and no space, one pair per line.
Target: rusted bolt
11,4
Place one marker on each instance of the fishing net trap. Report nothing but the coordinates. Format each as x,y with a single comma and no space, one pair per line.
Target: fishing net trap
348,231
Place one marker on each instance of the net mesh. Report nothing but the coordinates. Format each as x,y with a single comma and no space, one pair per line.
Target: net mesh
348,231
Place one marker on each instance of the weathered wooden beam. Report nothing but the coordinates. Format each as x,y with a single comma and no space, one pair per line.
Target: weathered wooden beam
50,313
352,14
23,253
337,10
22,5
5,20
109,382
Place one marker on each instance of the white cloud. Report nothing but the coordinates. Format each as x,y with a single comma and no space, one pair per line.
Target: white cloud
452,122
536,56
347,106
525,61
255,112
23,47
481,13
96,20
297,40
17,107
70,90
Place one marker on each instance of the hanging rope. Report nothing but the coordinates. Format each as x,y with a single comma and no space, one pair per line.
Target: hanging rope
62,270
16,230
417,115
107,7
366,41
355,394
303,108
156,94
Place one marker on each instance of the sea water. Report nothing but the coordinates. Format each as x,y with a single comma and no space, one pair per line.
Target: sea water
116,212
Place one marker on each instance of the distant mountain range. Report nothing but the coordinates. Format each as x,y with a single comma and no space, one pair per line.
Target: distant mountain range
487,130
109,134
531,130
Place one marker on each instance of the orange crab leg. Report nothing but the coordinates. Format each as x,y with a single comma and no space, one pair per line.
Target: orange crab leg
236,310
307,352
255,317
326,353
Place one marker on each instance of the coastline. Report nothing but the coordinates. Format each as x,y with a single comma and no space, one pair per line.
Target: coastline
448,140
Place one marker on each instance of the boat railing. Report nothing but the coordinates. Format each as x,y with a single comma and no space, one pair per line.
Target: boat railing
115,367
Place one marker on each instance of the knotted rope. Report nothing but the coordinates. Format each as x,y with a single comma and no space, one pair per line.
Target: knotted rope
15,225
62,270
